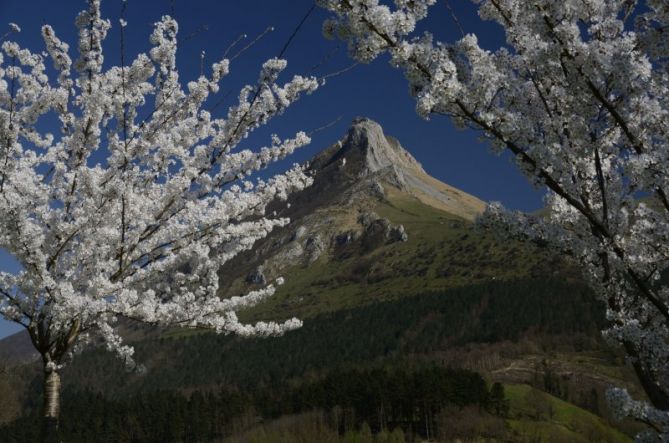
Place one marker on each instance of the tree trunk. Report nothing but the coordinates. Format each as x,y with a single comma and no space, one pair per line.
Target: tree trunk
51,405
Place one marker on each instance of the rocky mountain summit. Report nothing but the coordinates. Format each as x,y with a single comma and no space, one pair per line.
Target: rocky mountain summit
341,215
366,159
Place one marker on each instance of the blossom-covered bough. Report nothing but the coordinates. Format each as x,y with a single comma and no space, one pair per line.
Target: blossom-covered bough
131,208
580,95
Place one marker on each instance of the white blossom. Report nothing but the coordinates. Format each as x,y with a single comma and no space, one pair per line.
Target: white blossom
132,208
580,95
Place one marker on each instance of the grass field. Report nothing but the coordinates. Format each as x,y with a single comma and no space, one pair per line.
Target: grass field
538,416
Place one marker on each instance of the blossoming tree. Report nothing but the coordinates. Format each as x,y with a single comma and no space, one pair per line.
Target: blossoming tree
132,208
580,95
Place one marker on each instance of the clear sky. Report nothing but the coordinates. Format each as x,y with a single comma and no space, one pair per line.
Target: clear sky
376,91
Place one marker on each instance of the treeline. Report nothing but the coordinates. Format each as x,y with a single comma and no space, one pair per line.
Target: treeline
379,399
387,331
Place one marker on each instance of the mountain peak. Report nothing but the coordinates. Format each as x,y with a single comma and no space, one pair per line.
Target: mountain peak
372,150
367,153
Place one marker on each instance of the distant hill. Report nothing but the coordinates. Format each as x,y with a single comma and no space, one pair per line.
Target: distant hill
17,349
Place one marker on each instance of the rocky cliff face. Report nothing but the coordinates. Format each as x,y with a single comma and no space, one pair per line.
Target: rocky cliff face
366,159
367,150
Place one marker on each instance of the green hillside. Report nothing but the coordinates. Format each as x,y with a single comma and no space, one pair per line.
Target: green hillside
442,251
537,416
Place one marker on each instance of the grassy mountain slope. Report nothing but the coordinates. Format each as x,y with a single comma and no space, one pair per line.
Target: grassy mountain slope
442,251
538,416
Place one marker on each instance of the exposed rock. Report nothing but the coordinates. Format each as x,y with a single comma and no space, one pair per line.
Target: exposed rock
383,229
367,218
289,255
376,233
377,189
346,238
377,152
257,277
384,223
299,233
314,248
398,233
379,230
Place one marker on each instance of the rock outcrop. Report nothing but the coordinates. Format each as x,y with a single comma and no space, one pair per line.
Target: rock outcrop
257,277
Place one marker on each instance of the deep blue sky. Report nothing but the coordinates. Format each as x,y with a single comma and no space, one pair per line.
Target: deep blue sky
376,90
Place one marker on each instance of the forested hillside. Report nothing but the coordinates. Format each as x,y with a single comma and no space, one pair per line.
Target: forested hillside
366,362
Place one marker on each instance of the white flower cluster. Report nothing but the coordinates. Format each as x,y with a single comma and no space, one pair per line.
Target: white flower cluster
133,207
624,406
580,95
